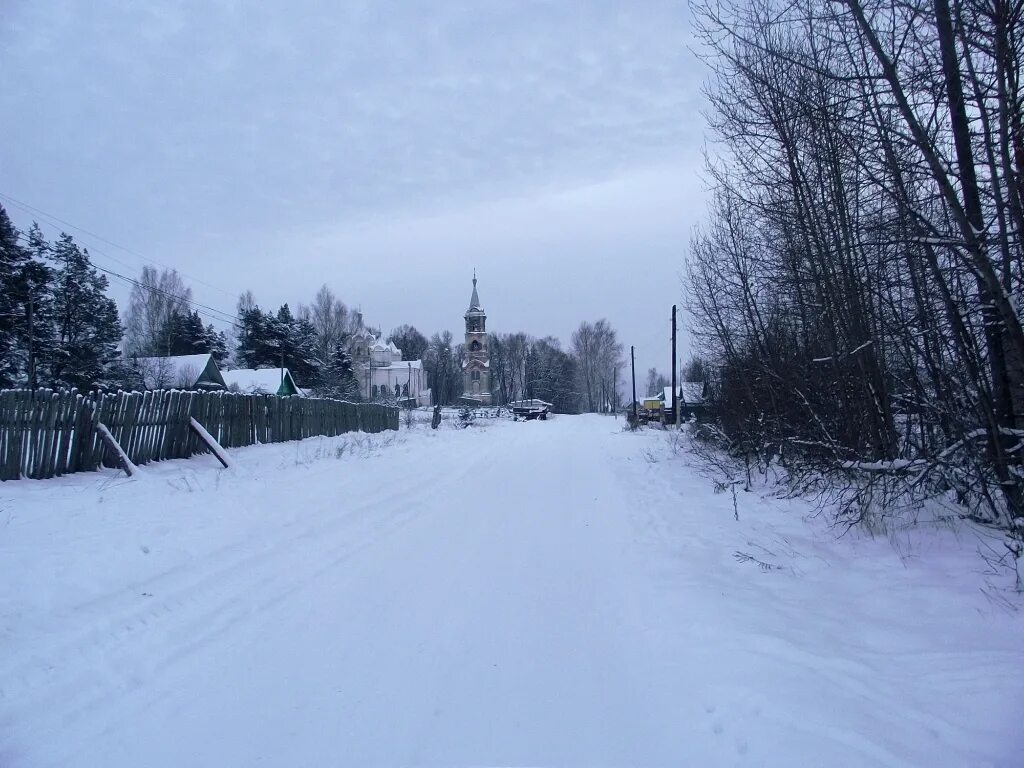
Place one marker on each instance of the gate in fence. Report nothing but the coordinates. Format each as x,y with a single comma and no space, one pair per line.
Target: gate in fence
45,433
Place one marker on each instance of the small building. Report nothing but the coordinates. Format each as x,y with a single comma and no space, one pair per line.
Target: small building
262,381
180,372
692,399
383,374
694,395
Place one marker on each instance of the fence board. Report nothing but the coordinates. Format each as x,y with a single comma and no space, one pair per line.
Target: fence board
46,433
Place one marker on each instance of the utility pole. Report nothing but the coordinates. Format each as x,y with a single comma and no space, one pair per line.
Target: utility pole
675,398
632,365
31,344
615,392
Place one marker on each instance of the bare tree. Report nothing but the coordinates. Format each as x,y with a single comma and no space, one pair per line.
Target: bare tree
155,296
599,357
656,382
332,322
856,289
443,362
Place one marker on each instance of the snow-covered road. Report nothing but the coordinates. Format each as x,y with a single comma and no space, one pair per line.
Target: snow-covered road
557,593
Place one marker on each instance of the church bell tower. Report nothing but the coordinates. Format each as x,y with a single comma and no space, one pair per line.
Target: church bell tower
476,371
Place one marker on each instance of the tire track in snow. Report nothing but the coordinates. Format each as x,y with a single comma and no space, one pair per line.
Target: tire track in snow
200,603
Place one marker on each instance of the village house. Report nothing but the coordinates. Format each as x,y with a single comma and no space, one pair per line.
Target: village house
179,372
262,381
692,399
382,374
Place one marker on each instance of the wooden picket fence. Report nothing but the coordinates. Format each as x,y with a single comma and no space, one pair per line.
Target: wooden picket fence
46,433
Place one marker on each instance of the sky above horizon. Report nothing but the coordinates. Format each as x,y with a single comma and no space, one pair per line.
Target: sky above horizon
385,149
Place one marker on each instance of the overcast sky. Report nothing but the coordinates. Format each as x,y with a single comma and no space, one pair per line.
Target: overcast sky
386,149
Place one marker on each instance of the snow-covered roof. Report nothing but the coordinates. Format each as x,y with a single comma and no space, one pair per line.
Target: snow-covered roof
393,348
267,380
400,365
379,346
692,392
173,371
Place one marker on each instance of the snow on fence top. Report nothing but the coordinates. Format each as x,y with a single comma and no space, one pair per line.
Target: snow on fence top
45,433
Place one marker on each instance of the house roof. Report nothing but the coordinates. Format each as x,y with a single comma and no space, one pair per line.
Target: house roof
266,380
175,370
400,365
692,392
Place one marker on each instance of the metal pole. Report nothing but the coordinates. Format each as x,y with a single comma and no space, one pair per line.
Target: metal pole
675,398
632,364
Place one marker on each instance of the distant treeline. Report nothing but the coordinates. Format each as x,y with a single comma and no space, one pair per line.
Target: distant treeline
59,328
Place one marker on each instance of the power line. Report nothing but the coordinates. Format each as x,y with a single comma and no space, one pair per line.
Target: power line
38,211
218,314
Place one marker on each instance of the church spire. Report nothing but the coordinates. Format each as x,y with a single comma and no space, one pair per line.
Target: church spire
474,302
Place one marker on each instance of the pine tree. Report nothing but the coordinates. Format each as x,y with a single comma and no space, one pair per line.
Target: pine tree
337,380
216,344
87,327
254,345
13,259
26,330
184,334
300,352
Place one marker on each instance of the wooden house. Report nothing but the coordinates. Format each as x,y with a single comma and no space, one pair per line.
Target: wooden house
180,372
266,381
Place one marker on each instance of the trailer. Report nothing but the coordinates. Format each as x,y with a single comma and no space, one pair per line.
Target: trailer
530,409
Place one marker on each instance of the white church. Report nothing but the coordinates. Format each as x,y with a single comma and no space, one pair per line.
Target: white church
383,374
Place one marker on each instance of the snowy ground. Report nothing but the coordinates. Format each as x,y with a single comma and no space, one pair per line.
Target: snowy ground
541,593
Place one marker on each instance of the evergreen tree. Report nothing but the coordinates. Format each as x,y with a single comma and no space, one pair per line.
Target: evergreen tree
337,380
183,334
13,259
265,340
26,333
87,327
255,345
216,344
300,352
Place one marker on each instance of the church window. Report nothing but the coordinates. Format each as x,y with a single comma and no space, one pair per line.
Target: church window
475,346
476,376
375,391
